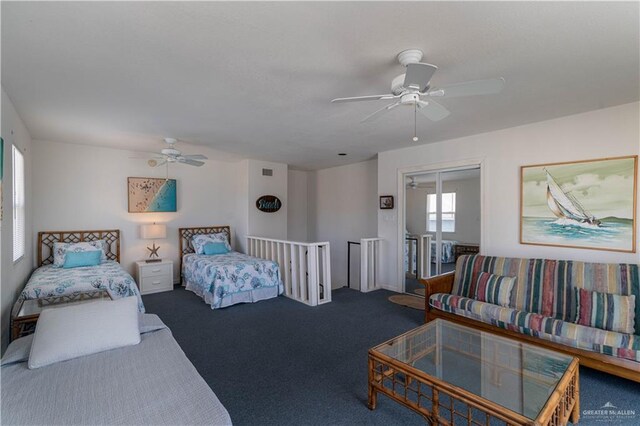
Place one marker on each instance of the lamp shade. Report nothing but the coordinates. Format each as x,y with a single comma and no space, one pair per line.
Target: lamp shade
153,231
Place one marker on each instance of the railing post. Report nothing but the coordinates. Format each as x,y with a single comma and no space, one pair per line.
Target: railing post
364,266
302,268
286,269
425,261
374,265
313,290
294,271
327,273
411,266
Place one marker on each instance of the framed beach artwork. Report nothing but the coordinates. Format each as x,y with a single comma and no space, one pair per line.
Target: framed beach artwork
147,195
587,204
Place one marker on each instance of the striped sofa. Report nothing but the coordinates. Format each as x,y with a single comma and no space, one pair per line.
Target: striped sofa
541,308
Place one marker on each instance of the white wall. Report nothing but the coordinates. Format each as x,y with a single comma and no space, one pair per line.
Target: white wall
14,275
467,227
298,206
344,203
602,133
85,187
261,224
242,207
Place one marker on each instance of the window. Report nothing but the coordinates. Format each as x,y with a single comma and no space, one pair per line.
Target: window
19,236
448,212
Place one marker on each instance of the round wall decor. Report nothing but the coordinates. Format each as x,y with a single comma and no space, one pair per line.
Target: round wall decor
268,204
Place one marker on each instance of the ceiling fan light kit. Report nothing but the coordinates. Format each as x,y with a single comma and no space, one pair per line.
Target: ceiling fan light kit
413,88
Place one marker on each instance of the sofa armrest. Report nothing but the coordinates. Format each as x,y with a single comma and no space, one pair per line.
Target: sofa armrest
438,284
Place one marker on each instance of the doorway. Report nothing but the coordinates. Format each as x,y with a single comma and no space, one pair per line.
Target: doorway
442,220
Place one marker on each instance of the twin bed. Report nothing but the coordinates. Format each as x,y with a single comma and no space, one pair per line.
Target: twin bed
57,284
151,383
226,279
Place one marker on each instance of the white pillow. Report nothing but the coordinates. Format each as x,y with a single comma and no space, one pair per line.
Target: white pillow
68,332
60,250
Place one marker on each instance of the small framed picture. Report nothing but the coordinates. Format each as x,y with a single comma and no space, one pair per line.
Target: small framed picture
386,202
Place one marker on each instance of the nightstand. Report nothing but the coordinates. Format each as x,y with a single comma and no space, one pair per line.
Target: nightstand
154,277
25,313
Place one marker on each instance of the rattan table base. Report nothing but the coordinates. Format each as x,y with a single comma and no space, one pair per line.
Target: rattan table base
442,403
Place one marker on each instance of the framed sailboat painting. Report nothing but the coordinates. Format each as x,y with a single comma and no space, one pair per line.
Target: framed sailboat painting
587,204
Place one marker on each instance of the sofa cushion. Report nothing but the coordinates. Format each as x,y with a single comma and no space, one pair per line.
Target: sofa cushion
544,286
494,289
622,345
605,310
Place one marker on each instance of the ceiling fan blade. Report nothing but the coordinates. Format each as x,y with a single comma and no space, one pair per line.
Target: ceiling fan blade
158,163
190,162
379,112
195,157
418,75
432,110
146,157
470,88
363,98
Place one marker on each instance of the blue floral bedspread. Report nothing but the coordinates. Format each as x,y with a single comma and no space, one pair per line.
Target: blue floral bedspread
48,281
448,253
226,279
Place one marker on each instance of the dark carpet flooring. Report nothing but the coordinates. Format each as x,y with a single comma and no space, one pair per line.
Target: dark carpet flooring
281,362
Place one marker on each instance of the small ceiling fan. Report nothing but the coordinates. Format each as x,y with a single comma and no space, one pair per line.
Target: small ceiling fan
413,88
413,184
173,155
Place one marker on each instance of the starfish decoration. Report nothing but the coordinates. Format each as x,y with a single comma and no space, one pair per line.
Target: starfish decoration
153,250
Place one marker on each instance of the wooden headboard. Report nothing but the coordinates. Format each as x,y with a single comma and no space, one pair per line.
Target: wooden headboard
187,233
47,238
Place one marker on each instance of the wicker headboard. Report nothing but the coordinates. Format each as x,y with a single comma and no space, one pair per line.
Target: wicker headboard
187,233
47,238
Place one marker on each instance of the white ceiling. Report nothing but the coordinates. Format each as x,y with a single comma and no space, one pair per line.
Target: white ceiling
255,79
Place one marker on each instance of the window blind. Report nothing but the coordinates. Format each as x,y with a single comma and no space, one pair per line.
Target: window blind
19,231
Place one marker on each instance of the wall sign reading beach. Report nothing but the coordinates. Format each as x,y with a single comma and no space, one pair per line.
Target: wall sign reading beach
152,195
268,203
582,204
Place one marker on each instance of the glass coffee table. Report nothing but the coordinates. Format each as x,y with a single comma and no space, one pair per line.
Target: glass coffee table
456,375
25,312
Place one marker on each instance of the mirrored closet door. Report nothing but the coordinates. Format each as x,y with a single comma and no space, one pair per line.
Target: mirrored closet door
442,218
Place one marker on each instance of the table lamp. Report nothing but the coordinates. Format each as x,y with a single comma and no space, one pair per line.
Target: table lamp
153,232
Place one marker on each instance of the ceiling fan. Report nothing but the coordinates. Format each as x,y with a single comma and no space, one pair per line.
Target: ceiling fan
173,155
413,88
412,184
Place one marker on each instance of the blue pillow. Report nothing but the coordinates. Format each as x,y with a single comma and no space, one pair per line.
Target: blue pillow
75,259
215,248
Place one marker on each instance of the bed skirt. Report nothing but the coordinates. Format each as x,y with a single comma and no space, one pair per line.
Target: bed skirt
249,296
